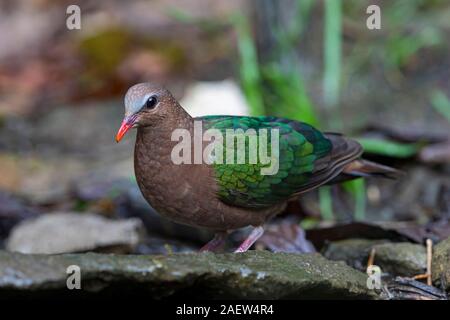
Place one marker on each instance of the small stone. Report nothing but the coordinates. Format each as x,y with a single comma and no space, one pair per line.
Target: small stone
399,259
440,266
73,232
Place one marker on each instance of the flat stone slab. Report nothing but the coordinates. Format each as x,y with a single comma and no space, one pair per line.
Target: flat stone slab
73,232
250,275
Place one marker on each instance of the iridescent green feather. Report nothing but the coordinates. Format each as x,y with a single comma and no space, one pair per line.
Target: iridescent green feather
300,145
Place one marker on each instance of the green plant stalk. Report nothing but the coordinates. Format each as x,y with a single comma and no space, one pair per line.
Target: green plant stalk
360,198
249,69
357,188
331,79
326,203
332,52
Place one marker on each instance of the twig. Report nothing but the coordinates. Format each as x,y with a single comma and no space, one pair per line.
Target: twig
371,258
427,275
429,257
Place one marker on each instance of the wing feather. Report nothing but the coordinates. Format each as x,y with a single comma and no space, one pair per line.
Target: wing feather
308,159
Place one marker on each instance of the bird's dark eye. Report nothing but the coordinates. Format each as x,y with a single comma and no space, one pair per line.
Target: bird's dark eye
151,102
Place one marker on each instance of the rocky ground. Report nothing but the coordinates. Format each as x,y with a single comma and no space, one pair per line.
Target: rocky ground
337,272
93,204
251,275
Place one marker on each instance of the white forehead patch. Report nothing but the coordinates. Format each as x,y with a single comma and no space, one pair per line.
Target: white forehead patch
137,95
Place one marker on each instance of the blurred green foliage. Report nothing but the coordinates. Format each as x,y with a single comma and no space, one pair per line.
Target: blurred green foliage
332,53
103,51
269,88
357,188
208,25
389,148
441,103
326,203
286,91
408,26
410,30
249,69
331,81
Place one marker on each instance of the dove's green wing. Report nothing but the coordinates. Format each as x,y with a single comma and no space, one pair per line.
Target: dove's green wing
307,159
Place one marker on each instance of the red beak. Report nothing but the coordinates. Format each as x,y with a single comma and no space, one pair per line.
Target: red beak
126,125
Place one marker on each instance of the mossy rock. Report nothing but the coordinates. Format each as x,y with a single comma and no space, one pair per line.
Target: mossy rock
440,266
401,259
250,275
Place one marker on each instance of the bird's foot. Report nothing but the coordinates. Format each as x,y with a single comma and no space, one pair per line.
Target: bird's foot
216,243
251,239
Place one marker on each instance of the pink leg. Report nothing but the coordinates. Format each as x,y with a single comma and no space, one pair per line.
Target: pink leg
215,243
251,239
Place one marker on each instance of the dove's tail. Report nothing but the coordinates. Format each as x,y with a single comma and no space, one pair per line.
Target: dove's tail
365,168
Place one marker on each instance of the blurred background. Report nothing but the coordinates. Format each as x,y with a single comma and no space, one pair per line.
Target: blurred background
61,94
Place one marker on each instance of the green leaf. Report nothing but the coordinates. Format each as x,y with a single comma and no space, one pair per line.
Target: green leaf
389,148
309,223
